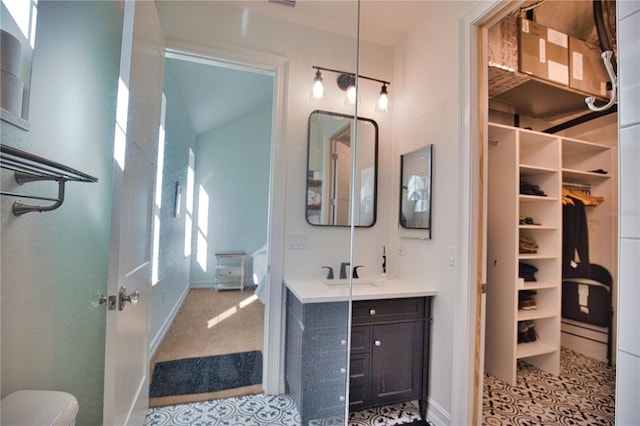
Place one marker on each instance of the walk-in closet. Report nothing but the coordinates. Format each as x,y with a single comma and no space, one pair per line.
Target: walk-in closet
552,193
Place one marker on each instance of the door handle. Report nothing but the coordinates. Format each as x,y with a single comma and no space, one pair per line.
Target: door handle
123,298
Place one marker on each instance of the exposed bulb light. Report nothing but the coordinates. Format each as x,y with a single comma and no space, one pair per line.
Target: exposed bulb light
317,92
346,81
383,100
351,94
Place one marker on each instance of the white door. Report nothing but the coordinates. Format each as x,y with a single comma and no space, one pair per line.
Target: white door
126,396
343,186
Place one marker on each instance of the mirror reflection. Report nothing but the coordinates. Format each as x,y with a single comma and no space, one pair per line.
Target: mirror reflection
415,194
331,150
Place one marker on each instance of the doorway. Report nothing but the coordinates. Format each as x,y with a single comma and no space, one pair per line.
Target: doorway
206,311
532,340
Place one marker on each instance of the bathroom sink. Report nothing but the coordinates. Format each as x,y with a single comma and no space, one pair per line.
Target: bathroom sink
357,282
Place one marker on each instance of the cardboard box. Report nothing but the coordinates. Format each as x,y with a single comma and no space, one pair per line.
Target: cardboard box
587,70
543,52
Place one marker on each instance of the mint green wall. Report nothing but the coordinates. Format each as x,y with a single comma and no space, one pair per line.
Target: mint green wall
54,262
232,165
173,269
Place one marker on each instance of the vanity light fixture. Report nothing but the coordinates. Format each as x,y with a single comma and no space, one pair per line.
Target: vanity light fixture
346,81
317,91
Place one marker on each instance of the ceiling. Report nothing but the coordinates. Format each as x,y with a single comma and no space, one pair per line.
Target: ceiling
214,95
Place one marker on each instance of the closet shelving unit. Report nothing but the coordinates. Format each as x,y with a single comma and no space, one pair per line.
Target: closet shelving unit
517,155
579,158
549,161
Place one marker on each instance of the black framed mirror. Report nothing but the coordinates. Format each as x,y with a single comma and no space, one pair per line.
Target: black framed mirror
415,191
330,162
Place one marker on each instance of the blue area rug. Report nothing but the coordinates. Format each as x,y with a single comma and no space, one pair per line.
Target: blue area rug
206,374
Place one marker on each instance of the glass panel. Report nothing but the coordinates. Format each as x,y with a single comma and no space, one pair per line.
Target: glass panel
258,40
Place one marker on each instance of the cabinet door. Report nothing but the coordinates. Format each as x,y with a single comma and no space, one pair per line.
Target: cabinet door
396,362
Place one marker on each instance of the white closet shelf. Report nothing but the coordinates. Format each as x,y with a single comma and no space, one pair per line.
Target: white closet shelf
529,256
535,314
539,227
582,175
536,198
537,285
527,350
530,170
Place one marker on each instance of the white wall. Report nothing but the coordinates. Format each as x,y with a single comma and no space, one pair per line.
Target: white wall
426,110
54,262
232,166
628,356
173,266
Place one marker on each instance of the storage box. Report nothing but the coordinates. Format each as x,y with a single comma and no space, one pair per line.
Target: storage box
543,52
588,73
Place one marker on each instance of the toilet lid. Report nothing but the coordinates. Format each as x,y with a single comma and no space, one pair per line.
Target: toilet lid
36,407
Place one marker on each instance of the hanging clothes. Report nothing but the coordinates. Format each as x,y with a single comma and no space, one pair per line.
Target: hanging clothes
575,240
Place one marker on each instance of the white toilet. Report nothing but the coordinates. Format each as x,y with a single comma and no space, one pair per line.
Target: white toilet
37,407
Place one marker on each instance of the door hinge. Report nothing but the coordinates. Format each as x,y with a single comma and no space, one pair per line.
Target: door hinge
484,288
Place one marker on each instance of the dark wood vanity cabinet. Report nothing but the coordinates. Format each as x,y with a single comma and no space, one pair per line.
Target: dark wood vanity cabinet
389,352
316,357
388,361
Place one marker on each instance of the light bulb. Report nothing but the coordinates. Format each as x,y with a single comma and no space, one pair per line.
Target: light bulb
317,92
383,100
351,94
318,89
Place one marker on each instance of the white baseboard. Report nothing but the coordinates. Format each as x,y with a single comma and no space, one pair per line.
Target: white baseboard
211,284
167,323
202,284
437,415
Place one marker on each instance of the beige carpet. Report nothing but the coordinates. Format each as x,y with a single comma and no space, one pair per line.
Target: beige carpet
209,323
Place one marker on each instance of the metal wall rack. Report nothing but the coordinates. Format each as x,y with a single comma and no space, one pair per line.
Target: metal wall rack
31,168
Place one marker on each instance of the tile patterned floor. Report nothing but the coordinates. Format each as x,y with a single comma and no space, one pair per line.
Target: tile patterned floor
262,410
583,394
251,410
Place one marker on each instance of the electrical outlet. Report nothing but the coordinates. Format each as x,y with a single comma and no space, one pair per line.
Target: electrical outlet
297,241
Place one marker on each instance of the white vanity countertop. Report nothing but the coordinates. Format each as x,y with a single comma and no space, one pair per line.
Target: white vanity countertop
310,290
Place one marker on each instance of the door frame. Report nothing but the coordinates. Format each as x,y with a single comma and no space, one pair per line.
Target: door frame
273,371
468,361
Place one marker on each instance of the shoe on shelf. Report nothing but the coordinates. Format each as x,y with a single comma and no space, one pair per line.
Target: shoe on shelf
527,300
527,331
527,305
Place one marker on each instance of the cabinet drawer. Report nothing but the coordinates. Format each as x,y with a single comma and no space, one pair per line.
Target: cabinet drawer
326,396
359,370
360,339
374,311
319,315
328,343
